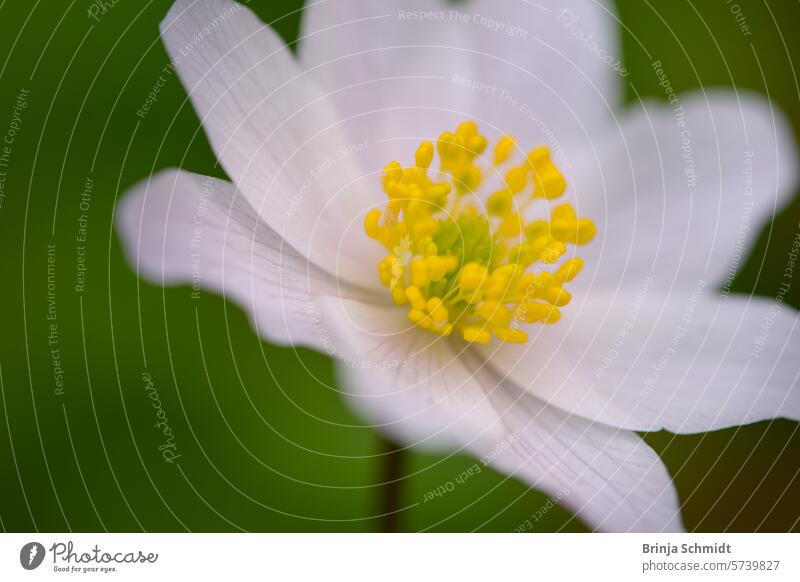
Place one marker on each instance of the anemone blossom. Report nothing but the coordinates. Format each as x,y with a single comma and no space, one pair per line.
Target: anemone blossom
450,200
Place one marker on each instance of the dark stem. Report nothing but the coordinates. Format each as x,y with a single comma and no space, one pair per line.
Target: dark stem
392,470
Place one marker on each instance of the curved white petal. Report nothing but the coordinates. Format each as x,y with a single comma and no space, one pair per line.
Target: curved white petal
680,192
609,477
554,68
274,134
421,390
542,71
410,381
687,362
183,228
388,67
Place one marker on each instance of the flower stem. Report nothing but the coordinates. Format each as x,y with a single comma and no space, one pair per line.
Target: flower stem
392,470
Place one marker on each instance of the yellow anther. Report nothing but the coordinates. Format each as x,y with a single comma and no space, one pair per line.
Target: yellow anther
538,156
437,267
501,317
526,283
415,315
437,191
535,248
517,179
512,225
494,313
392,172
477,144
487,309
372,223
420,273
558,296
504,271
564,212
399,296
450,263
569,270
565,226
564,230
471,178
415,297
449,146
458,266
553,252
437,310
549,184
499,203
424,155
395,190
472,276
541,313
475,334
586,231
466,130
511,335
553,317
503,149
536,312
537,229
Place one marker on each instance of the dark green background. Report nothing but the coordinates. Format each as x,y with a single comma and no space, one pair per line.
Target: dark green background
254,457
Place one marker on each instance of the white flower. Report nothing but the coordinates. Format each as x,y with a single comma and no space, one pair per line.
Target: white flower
678,192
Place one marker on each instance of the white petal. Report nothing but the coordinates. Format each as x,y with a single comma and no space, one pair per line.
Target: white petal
274,134
552,71
345,42
399,69
681,194
182,228
687,362
608,477
389,74
422,391
410,381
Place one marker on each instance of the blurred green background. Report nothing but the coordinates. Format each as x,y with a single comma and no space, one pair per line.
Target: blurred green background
265,444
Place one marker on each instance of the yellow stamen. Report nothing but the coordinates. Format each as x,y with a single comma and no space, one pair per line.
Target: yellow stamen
456,268
503,149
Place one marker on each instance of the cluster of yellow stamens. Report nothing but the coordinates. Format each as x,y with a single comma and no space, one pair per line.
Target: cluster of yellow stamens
460,262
